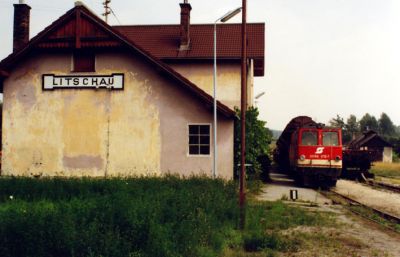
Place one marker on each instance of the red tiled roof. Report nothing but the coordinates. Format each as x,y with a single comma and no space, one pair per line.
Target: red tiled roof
163,41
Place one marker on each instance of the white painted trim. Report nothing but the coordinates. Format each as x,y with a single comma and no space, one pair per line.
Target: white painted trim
320,163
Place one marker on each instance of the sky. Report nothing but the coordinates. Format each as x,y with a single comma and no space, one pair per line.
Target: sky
323,57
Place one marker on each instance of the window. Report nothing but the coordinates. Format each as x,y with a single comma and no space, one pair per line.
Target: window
309,138
330,138
84,61
199,139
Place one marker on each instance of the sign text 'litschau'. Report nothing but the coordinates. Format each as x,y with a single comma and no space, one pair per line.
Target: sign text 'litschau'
113,81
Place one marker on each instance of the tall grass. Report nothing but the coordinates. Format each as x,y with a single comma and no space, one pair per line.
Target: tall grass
139,217
116,217
390,170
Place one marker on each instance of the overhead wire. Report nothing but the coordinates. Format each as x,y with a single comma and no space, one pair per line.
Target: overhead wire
4,4
113,13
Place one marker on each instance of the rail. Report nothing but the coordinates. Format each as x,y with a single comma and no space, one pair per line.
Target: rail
386,216
378,184
383,185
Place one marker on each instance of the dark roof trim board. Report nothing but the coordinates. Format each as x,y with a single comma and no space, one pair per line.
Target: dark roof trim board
367,137
9,61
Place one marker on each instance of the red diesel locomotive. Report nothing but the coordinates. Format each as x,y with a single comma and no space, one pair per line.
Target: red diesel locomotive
311,152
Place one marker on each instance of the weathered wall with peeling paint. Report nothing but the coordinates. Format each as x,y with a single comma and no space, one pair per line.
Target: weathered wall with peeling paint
141,130
228,79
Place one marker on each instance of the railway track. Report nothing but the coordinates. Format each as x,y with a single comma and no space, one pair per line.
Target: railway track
382,185
392,219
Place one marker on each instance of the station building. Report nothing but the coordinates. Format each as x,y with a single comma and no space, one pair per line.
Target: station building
83,98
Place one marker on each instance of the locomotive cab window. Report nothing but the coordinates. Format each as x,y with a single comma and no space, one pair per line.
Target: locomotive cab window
309,138
199,139
330,138
83,61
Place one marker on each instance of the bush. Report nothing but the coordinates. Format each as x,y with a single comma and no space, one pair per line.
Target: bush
116,217
396,157
258,139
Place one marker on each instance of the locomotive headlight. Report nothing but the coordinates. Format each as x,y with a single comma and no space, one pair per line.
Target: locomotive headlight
302,157
337,158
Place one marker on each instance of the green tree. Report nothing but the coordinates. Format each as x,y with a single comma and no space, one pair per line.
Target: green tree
369,122
337,122
352,126
258,139
386,127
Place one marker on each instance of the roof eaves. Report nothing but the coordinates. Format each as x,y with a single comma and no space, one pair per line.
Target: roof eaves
193,24
3,75
365,139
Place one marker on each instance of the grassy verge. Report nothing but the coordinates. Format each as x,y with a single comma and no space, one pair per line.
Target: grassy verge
369,214
116,217
388,170
143,217
266,223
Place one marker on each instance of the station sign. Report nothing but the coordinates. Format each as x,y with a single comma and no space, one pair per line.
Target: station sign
113,81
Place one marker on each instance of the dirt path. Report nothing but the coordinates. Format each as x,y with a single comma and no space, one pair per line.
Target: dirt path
354,236
379,199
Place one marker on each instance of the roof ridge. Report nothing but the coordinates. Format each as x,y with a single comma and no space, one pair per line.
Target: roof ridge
192,24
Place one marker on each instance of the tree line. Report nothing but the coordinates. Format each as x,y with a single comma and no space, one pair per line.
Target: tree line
353,128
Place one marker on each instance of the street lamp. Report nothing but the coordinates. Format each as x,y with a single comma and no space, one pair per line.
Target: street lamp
223,19
257,97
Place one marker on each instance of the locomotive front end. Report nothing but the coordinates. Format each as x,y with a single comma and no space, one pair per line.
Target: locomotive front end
319,155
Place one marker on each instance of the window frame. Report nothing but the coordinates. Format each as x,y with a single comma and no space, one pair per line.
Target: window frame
328,131
188,137
309,130
73,68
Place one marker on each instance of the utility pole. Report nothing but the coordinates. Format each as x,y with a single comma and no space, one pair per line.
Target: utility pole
107,10
243,109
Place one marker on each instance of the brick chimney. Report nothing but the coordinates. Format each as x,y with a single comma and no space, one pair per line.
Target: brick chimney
21,25
185,25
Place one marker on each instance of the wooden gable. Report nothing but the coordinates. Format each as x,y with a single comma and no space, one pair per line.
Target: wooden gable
78,30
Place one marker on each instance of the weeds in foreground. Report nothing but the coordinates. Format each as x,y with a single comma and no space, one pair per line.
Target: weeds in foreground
264,223
141,217
116,217
254,187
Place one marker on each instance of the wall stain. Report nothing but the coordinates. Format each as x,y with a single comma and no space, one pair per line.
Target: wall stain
83,162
